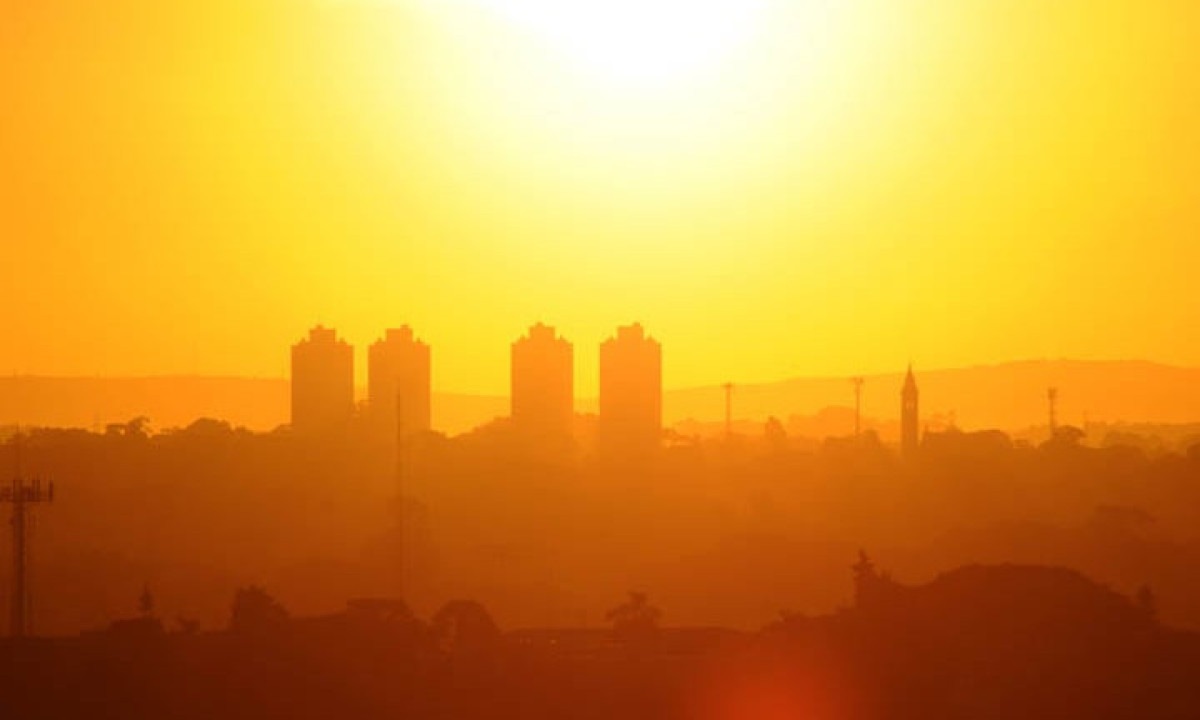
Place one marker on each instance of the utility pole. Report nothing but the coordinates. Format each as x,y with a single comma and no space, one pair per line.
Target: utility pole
728,410
1052,401
22,495
401,470
858,386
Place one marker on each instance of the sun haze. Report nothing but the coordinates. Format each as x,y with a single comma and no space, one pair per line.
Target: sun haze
638,43
772,187
596,359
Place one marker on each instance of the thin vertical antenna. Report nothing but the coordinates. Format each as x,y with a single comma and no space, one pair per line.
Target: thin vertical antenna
858,386
1052,401
400,472
728,410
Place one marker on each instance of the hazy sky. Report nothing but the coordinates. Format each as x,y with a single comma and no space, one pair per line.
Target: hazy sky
773,187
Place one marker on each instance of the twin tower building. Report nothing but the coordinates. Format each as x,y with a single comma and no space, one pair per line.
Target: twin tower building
399,397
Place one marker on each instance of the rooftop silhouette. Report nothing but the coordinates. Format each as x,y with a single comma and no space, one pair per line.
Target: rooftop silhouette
322,382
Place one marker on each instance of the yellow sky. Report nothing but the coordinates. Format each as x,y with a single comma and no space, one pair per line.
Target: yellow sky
835,188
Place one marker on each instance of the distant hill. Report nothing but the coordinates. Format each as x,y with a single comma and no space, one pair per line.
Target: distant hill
1008,396
92,402
260,404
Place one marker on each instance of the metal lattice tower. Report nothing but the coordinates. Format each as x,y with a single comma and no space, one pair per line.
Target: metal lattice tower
23,494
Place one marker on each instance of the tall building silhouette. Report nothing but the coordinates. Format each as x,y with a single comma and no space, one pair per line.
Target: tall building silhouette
543,379
322,382
910,434
398,379
630,423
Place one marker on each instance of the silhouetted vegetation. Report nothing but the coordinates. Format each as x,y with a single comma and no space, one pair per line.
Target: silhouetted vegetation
635,621
723,532
980,641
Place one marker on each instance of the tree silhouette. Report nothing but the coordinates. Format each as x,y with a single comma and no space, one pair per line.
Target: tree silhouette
635,619
465,626
1068,436
775,434
255,612
871,587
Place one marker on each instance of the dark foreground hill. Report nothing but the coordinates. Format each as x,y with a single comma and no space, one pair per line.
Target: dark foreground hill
979,642
1001,642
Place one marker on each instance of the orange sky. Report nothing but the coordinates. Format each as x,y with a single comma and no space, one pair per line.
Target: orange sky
185,187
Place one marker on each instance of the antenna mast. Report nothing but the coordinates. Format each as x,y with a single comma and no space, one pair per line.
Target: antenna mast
728,410
858,386
401,470
22,495
1052,401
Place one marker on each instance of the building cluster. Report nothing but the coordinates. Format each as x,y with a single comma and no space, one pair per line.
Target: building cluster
399,395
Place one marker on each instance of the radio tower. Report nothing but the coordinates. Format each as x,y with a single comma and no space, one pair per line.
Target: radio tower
22,495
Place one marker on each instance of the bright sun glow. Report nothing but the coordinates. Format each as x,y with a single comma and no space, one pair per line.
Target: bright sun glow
651,110
638,42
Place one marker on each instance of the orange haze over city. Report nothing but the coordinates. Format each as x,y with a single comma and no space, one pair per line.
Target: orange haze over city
600,359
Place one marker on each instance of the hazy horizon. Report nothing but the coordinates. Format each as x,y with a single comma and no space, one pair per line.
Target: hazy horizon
1007,396
600,359
360,388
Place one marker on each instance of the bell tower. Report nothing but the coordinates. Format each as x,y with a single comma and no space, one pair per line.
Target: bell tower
910,435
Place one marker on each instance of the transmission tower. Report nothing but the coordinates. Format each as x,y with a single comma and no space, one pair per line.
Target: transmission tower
23,494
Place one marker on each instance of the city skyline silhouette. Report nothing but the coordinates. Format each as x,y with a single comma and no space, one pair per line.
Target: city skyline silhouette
599,360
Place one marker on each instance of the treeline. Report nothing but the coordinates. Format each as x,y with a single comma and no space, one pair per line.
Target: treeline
725,531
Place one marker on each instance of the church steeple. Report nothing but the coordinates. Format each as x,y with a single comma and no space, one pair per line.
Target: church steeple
910,436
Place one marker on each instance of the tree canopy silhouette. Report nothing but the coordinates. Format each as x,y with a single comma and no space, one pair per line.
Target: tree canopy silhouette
635,620
255,612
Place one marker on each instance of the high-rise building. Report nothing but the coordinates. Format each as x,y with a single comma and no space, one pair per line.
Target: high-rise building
630,423
322,382
910,434
398,379
543,379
